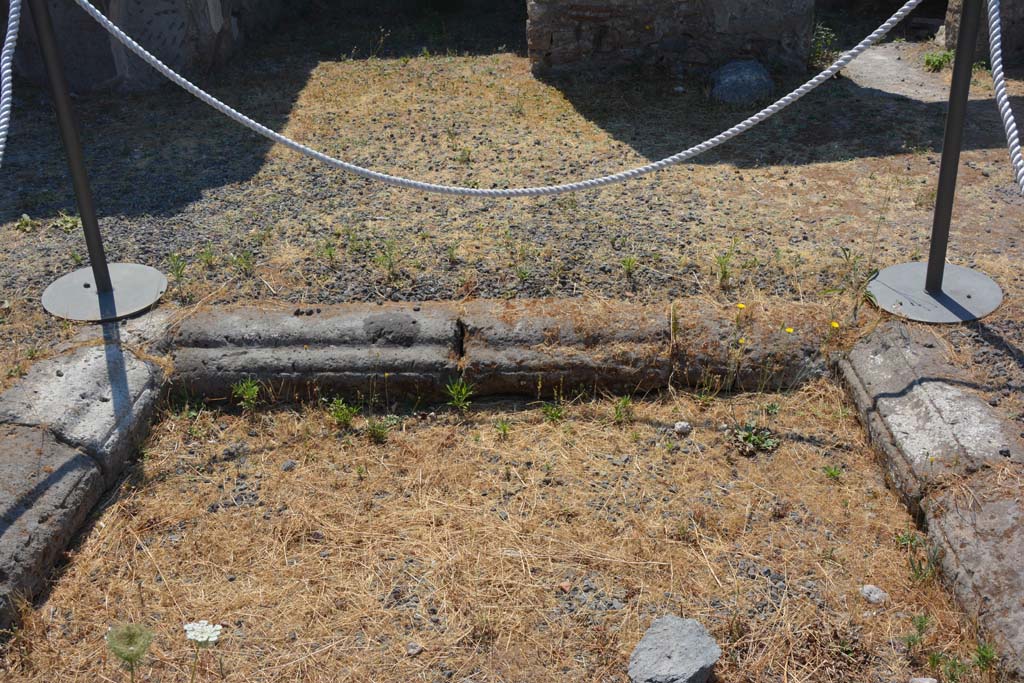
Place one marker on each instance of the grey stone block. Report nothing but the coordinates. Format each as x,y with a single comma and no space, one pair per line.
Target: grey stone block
979,525
147,331
396,350
921,411
539,348
674,650
741,83
97,398
46,492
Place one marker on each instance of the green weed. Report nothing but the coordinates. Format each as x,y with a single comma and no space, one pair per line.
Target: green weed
26,224
623,411
459,393
378,430
247,393
553,412
752,440
937,61
176,266
67,222
629,266
823,48
342,413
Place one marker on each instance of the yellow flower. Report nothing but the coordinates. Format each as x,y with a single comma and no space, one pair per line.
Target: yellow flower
741,306
743,340
789,330
835,325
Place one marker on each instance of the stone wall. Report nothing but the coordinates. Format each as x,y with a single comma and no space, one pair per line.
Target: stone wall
191,36
675,34
1013,30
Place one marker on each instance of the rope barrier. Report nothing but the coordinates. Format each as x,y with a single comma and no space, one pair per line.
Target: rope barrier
6,73
995,46
622,176
998,78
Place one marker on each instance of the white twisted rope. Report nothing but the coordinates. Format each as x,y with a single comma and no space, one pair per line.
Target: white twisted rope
749,123
995,47
6,69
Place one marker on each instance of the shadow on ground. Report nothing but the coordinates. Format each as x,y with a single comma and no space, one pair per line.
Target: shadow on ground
839,121
152,153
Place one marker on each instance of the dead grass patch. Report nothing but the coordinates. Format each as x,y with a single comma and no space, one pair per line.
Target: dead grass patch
533,553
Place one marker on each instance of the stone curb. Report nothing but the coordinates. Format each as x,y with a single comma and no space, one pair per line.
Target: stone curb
46,492
527,348
956,464
67,431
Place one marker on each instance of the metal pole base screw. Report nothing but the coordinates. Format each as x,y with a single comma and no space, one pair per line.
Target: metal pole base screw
75,297
966,294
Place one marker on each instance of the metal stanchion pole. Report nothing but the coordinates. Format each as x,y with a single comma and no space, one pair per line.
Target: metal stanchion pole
936,292
103,291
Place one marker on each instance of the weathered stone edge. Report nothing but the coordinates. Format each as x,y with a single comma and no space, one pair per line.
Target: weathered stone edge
35,534
535,347
977,578
899,475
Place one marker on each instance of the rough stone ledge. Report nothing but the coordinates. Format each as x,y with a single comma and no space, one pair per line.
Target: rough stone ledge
920,410
96,398
979,525
357,349
47,489
956,465
535,348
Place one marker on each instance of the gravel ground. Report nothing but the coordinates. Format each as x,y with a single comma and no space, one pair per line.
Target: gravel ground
801,208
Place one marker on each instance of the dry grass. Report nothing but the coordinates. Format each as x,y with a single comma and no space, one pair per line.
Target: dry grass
540,556
20,343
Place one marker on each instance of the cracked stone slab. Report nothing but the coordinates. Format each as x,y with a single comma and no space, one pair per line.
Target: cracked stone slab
98,398
922,411
979,525
47,489
391,350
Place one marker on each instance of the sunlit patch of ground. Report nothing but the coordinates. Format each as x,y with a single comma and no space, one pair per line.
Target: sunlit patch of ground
512,542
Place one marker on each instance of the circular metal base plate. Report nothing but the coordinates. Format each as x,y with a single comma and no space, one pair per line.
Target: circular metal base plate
136,288
966,294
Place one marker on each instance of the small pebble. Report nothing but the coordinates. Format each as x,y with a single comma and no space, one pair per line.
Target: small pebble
683,428
923,680
874,594
413,649
289,465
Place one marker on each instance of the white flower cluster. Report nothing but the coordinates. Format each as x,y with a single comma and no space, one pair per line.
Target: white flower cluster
203,632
